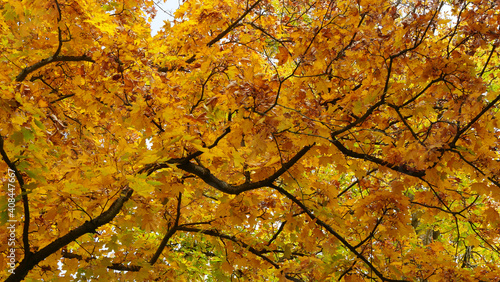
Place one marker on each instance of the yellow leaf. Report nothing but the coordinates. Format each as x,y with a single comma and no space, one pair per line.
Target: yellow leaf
397,187
472,240
227,267
42,103
480,188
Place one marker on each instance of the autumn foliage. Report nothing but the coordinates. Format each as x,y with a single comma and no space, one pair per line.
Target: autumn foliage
251,140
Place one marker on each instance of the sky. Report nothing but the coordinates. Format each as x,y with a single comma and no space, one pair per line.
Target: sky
165,9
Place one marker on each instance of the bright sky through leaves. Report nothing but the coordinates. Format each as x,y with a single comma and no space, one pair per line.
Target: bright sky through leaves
164,12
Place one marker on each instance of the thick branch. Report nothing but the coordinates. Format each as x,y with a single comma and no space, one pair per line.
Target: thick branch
88,227
24,73
24,197
169,234
226,132
399,168
212,180
150,168
122,267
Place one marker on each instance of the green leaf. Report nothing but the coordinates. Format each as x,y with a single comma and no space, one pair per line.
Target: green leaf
18,138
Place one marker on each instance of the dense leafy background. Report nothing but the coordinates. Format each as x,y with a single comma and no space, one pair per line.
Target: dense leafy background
263,140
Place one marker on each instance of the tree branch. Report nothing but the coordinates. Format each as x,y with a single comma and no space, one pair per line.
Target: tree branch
476,118
88,227
150,168
216,233
169,234
280,229
372,233
488,60
233,25
217,38
334,233
360,119
122,267
399,168
24,196
26,71
212,180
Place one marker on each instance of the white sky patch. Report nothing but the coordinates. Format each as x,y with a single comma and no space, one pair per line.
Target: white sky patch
165,12
149,143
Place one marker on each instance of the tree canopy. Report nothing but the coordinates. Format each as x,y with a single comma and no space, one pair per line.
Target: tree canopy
252,140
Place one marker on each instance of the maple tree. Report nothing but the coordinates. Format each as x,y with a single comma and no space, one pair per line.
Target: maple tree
252,140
